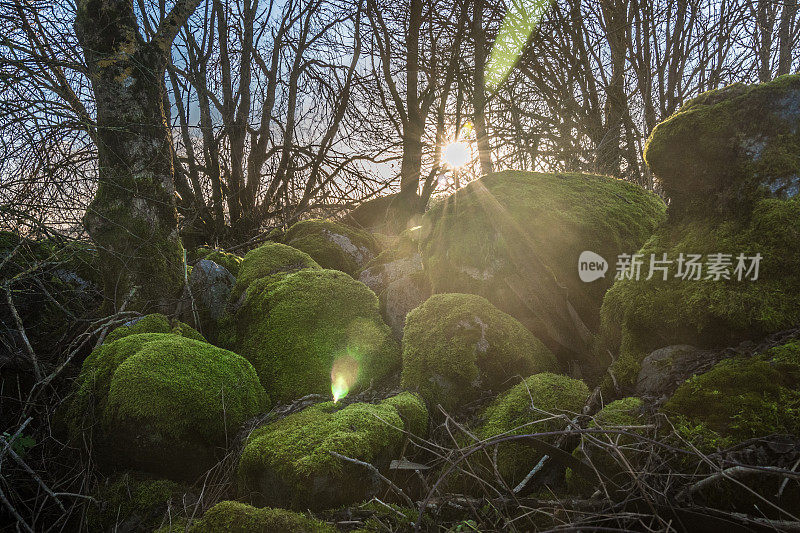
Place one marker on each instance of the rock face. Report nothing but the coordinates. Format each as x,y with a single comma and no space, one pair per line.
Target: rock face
332,244
529,408
237,517
728,148
456,346
740,398
296,327
398,278
210,285
267,260
516,238
164,403
287,463
751,231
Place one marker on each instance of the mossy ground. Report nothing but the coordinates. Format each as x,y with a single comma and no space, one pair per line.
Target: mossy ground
640,316
740,398
267,260
318,238
160,396
457,345
237,517
515,238
288,462
294,327
534,406
134,500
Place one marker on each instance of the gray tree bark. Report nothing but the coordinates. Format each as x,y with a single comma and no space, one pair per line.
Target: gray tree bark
133,217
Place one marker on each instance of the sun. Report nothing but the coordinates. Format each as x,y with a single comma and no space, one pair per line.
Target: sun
456,154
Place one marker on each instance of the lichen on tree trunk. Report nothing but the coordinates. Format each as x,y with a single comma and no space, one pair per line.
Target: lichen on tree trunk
133,217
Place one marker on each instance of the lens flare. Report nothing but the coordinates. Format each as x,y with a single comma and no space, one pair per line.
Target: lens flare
343,375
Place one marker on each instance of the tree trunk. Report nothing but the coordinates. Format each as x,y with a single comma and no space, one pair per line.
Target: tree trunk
479,92
132,218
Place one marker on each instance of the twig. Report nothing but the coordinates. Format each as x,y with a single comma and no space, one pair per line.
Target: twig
375,471
18,321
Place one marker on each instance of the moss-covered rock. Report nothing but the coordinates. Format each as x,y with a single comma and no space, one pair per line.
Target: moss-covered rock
332,244
386,214
231,262
619,414
642,315
295,328
237,517
516,238
267,260
132,502
163,403
153,323
287,463
740,398
532,406
457,345
729,147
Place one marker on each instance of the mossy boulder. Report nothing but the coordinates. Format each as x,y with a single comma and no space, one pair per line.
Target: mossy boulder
295,328
533,406
642,315
237,517
162,403
205,297
455,346
618,415
332,244
132,502
153,323
740,398
268,260
288,463
516,238
729,147
389,214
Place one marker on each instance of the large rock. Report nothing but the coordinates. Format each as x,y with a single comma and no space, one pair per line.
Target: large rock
332,244
267,260
516,238
162,403
304,329
457,346
288,463
740,398
153,323
398,278
642,315
230,261
206,296
542,403
727,148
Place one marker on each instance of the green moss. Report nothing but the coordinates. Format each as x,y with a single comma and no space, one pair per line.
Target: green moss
154,323
237,517
288,463
294,327
133,500
728,147
267,260
640,316
332,244
741,398
515,238
620,413
529,408
231,262
165,403
457,345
